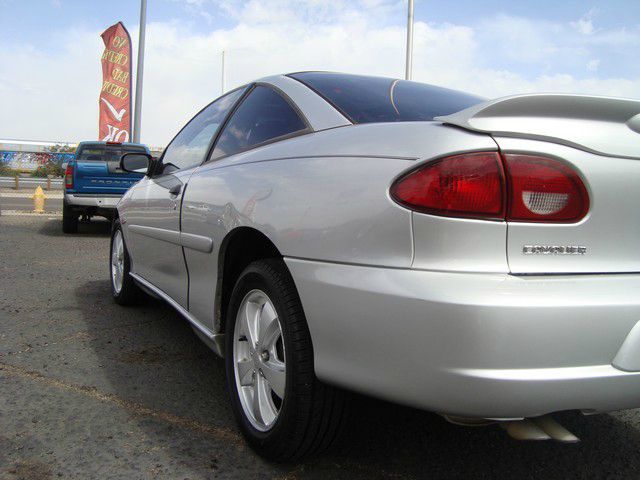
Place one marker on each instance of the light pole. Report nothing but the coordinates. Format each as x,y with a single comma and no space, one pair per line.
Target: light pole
137,117
222,75
409,66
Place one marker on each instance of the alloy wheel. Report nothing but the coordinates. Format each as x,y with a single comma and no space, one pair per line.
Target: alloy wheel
117,261
259,360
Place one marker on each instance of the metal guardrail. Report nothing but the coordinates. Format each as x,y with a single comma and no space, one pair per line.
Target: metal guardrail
31,182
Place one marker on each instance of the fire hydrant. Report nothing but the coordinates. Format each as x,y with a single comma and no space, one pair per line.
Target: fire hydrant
38,200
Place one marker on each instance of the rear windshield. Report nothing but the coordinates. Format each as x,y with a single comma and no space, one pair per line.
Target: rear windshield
365,99
106,153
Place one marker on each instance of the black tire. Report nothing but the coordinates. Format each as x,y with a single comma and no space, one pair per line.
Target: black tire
312,414
130,293
69,220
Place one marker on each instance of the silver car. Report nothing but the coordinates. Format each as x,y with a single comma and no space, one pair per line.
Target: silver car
327,233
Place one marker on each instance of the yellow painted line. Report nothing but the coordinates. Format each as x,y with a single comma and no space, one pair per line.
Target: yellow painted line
221,433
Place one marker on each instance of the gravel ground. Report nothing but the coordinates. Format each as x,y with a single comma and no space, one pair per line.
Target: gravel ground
93,390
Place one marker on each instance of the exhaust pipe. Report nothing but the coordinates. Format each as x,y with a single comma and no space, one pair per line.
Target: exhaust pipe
525,430
531,429
556,431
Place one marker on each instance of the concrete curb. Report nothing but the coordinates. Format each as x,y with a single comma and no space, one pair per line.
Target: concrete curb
29,195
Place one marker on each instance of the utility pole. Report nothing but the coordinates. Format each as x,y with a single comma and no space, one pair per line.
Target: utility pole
222,75
409,65
137,117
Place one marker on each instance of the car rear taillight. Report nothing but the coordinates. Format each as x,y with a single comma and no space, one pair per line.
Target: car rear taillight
469,185
474,185
543,189
68,177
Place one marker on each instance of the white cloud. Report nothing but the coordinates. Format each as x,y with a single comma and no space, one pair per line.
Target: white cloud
585,24
51,97
54,96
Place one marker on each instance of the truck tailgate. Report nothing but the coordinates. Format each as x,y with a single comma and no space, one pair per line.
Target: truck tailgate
96,177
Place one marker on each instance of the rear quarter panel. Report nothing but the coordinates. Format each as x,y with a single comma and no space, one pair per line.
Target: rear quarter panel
322,196
304,207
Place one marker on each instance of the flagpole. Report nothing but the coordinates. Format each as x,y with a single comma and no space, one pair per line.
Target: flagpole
137,117
409,64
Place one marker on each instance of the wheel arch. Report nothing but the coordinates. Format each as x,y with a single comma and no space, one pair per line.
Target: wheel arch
114,217
240,247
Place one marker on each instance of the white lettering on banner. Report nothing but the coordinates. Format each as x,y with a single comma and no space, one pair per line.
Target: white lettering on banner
116,135
117,115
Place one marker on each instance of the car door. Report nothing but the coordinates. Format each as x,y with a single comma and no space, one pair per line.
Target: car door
219,199
153,217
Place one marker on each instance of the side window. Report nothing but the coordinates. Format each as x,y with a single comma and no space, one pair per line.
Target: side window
262,116
190,146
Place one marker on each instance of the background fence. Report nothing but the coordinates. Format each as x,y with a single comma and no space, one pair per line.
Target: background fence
29,161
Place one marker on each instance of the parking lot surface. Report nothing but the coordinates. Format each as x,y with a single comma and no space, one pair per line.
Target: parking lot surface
93,390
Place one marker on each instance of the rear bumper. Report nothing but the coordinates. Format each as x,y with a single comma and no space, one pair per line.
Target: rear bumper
92,199
481,345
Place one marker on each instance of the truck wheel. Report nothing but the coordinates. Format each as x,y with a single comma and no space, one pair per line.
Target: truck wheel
283,410
123,287
69,220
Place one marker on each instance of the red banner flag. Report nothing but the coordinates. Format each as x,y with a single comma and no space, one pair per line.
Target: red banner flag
115,94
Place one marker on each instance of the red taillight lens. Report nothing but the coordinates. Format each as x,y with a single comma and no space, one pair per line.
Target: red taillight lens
542,189
68,177
473,185
468,185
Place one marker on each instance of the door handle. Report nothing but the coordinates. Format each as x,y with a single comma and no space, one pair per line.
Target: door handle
175,190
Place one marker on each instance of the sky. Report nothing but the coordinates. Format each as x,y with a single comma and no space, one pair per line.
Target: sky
50,72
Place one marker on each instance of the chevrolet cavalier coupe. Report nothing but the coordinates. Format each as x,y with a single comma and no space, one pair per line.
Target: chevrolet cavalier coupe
327,232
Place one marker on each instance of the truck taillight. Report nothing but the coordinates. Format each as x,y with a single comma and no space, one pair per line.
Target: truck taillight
68,177
486,185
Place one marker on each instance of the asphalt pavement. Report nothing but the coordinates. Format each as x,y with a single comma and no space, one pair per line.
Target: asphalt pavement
89,389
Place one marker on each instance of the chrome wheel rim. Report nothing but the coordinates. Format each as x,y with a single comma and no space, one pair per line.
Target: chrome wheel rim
259,360
117,261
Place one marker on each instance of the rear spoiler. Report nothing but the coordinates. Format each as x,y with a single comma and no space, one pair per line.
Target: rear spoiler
602,125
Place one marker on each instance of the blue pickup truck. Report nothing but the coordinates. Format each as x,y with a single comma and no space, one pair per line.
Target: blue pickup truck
94,181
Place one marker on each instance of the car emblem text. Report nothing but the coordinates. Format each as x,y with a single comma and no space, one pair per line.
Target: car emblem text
554,250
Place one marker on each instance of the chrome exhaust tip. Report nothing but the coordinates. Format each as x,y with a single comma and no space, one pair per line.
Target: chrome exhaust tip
539,428
528,429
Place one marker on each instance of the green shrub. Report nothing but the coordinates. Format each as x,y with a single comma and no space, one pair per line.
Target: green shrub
7,171
49,168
